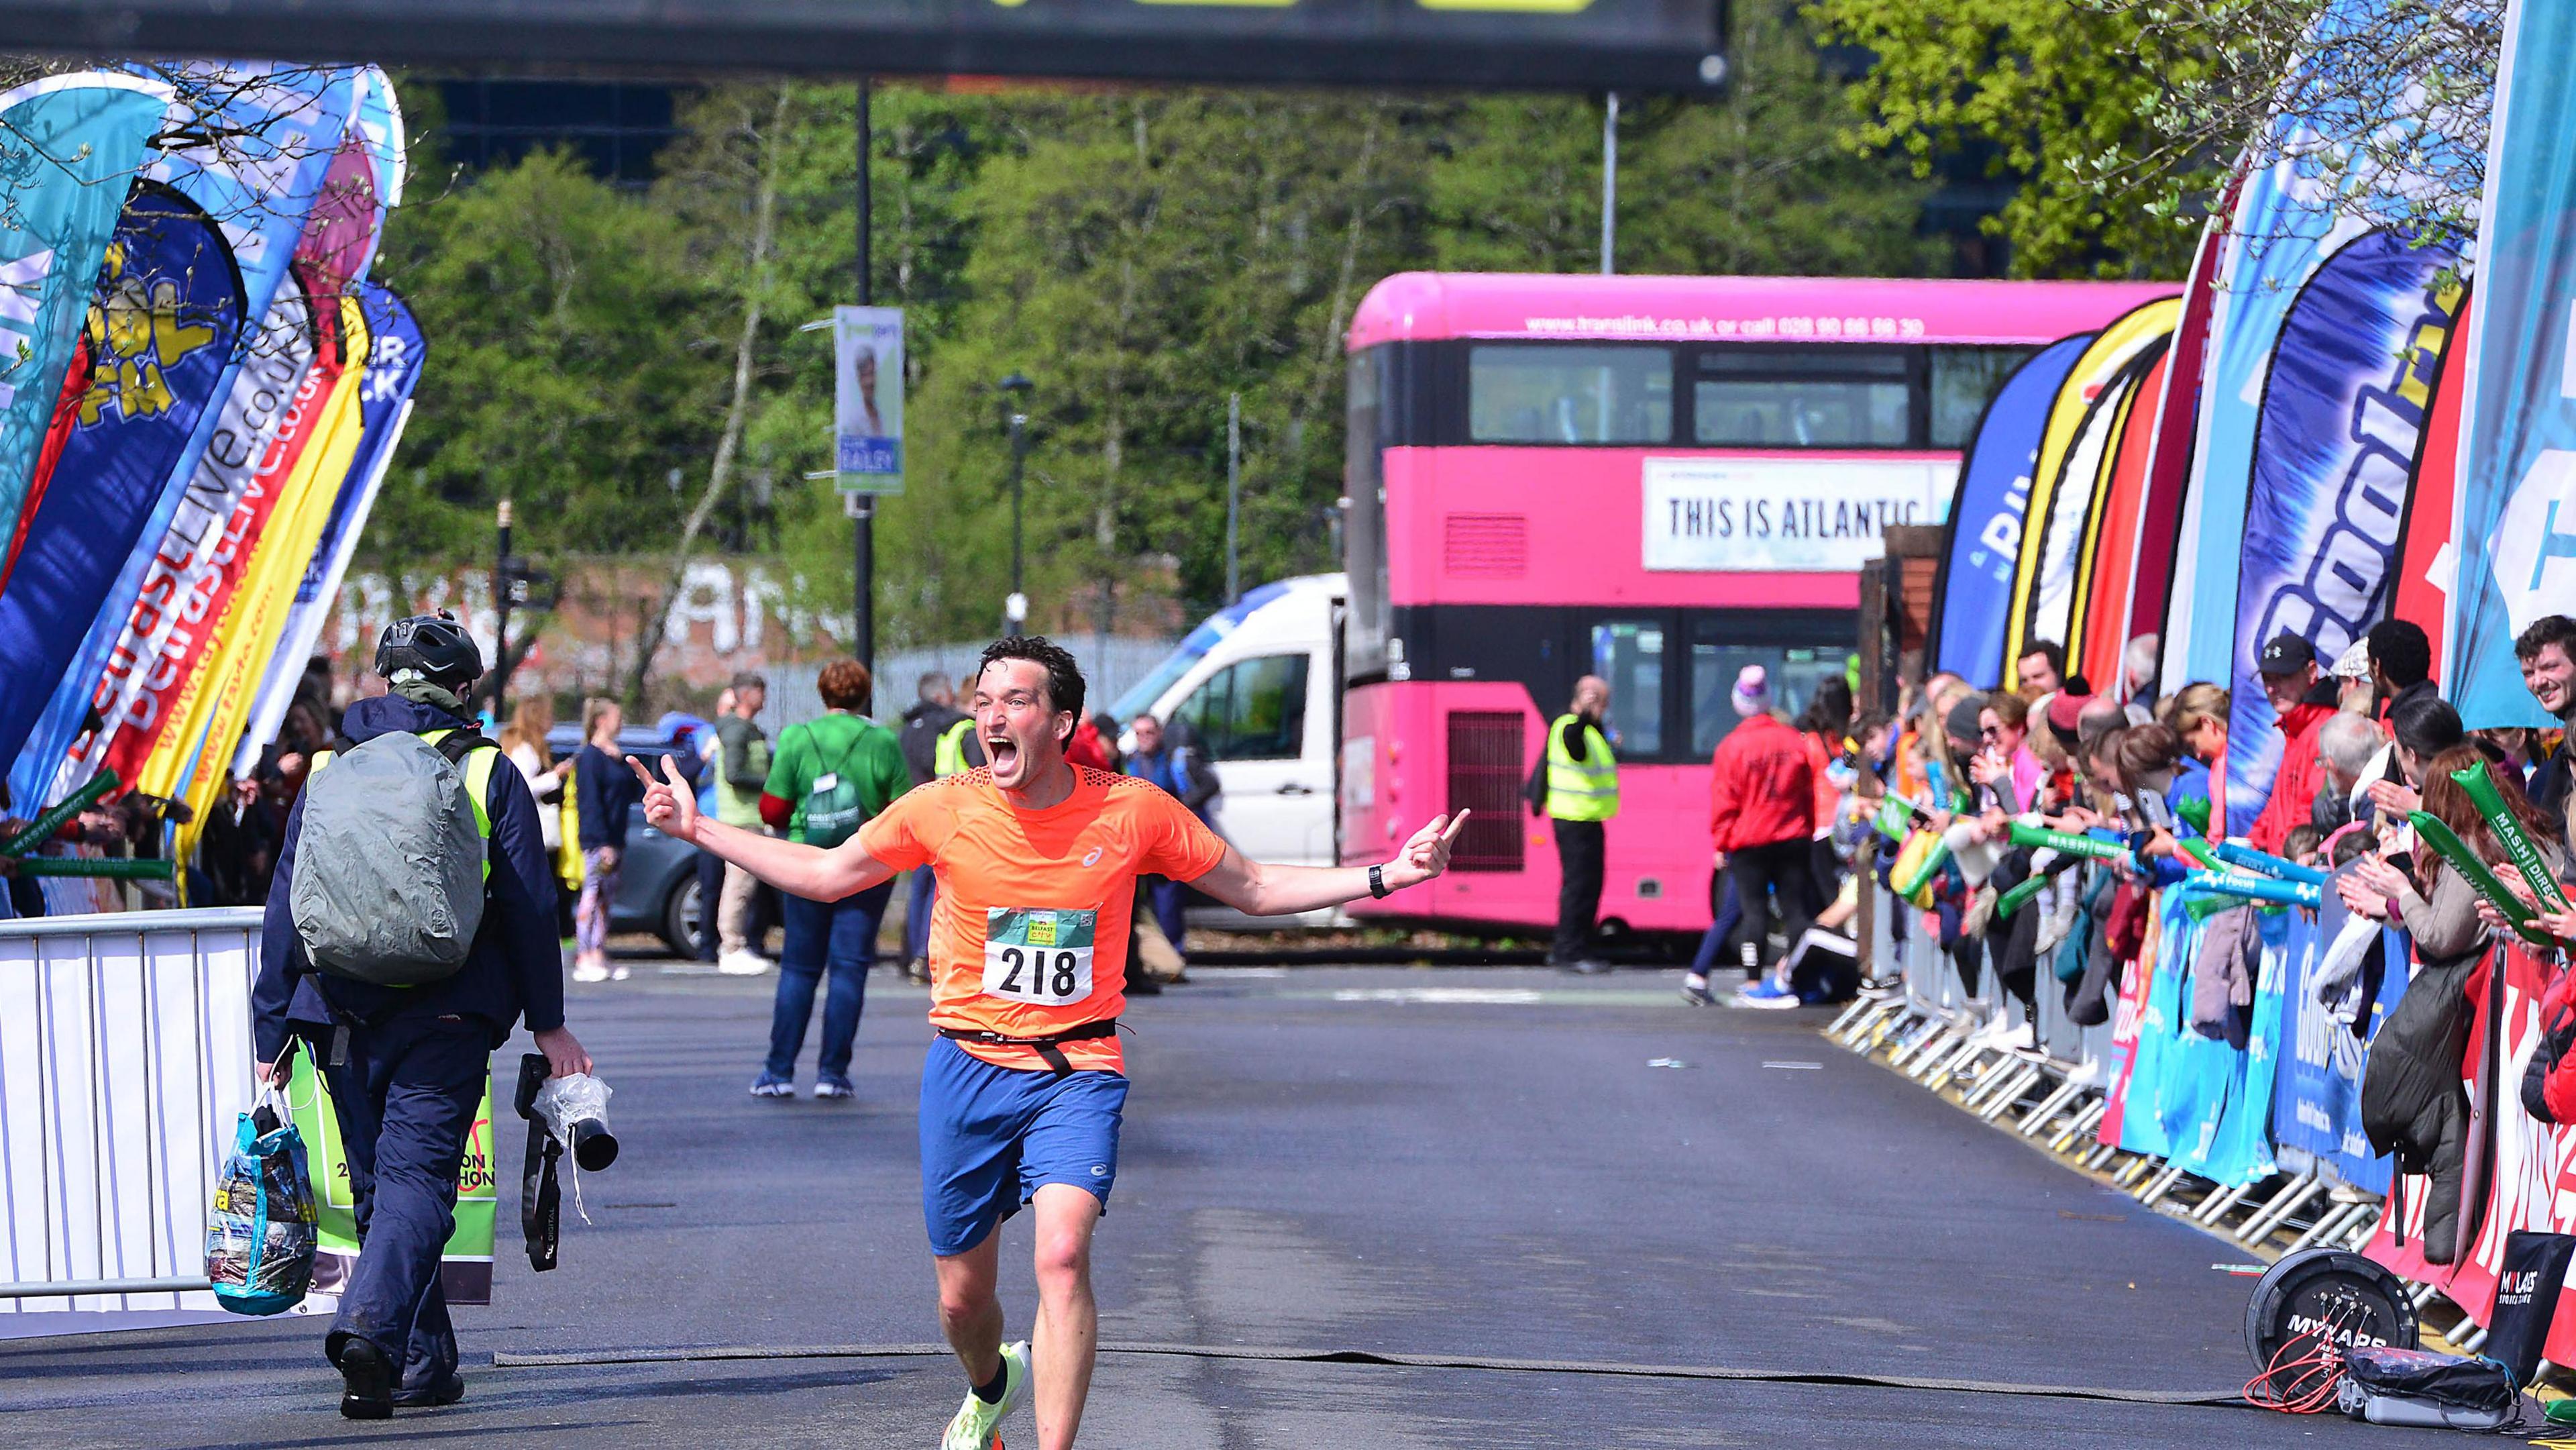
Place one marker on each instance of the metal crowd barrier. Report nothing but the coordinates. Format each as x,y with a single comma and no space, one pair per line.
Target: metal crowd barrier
1922,1020
125,1058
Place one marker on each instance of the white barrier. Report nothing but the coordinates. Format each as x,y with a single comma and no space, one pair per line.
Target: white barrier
125,1059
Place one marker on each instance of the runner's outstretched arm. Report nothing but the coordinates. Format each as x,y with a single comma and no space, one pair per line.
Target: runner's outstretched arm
807,871
1261,888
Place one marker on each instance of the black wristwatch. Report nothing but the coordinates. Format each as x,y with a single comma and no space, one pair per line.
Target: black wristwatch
1377,882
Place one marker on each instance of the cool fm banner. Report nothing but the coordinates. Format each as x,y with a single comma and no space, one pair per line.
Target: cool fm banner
162,328
2514,509
395,355
258,184
71,145
1986,521
2336,440
2288,219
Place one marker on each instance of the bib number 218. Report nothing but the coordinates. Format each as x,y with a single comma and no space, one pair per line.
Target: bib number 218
1052,976
1038,956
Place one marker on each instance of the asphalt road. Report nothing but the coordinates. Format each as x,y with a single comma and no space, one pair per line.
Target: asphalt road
1473,1166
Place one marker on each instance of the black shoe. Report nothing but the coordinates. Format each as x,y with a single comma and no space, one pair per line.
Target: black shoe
367,1378
446,1392
1590,968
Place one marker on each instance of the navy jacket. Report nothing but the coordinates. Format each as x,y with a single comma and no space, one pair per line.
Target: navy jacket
608,793
514,969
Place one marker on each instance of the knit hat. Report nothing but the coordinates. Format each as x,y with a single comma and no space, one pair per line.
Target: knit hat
1752,691
2353,663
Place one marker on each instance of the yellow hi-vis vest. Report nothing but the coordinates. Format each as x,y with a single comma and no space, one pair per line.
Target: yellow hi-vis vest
476,767
1580,790
948,757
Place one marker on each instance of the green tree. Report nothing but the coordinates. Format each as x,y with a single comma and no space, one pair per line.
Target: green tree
2046,84
549,303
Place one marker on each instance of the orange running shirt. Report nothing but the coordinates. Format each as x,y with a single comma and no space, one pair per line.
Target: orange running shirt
1030,934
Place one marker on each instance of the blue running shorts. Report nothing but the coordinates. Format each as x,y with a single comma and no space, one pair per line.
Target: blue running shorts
991,1136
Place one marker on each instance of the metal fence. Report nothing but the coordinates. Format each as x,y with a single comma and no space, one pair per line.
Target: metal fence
125,1056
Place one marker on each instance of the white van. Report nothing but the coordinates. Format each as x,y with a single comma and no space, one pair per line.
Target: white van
1254,686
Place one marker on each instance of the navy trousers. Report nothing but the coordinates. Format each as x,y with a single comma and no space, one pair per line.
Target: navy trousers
406,1097
839,936
1169,898
710,887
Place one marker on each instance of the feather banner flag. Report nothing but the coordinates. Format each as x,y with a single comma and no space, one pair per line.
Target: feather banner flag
257,180
70,147
2289,218
248,628
2098,369
2424,553
2335,442
150,693
395,356
165,321
1984,530
2094,636
2513,505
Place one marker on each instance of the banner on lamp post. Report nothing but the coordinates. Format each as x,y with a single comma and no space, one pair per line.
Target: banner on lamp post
867,399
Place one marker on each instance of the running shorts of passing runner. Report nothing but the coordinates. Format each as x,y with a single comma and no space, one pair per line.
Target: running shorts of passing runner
1023,1089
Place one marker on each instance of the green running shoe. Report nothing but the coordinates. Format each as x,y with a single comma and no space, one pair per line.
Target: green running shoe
978,1425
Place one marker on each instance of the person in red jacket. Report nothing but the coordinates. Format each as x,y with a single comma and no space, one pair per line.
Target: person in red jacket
1762,815
2301,703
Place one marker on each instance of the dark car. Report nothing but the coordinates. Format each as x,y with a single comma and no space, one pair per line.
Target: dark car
657,889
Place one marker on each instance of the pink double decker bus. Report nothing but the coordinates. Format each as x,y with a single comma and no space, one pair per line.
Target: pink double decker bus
1657,480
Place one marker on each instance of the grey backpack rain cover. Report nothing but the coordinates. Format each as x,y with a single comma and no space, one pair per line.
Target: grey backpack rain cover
390,867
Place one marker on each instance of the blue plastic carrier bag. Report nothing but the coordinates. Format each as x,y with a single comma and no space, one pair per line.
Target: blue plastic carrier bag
260,1227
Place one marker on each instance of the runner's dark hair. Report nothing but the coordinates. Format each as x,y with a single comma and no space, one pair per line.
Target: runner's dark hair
1064,677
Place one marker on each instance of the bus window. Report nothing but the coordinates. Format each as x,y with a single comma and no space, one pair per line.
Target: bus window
1964,379
1254,709
1804,398
1364,515
1795,672
1630,655
1551,394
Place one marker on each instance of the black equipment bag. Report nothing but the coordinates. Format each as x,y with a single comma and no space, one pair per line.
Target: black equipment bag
2535,1266
540,1198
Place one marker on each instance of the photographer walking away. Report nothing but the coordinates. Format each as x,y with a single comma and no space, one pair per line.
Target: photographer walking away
405,1041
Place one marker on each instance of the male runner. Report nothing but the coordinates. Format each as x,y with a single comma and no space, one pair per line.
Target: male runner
1022,1091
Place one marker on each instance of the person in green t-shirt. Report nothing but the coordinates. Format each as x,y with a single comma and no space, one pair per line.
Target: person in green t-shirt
742,773
829,776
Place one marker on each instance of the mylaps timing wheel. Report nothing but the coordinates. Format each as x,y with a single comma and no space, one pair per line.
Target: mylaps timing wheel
2327,1292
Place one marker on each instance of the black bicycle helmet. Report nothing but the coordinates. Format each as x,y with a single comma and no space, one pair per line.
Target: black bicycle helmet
433,645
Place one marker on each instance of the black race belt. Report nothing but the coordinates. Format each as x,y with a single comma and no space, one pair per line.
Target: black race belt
1047,1047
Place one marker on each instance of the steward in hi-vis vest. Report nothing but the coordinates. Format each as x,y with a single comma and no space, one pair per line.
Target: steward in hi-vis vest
1576,786
1584,788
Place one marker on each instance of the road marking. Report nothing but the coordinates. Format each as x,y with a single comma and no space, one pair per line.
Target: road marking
1797,1066
1443,996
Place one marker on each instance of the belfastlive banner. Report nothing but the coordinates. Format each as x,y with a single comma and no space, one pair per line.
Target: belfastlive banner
1633,45
867,399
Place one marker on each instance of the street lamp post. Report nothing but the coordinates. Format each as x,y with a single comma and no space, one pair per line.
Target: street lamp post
1015,610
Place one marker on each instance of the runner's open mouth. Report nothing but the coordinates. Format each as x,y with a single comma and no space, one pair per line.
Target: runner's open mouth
1002,751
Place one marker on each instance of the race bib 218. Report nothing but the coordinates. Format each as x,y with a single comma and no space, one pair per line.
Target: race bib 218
1038,956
